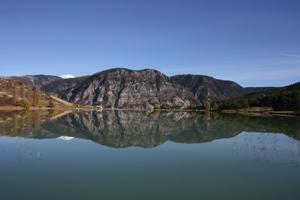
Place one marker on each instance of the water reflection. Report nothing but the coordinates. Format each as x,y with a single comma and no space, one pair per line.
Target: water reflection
210,156
267,147
121,129
25,124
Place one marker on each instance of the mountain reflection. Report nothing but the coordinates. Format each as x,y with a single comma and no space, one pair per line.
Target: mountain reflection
121,129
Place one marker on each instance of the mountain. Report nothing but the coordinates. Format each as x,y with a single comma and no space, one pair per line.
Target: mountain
124,88
208,88
32,80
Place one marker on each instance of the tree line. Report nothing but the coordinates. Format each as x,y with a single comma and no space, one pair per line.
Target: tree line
15,93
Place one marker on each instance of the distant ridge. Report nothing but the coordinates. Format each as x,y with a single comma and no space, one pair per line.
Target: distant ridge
33,80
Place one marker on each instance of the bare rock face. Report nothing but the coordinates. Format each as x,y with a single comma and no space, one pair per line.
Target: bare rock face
124,88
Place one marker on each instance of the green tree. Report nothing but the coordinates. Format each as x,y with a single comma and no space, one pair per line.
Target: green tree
51,104
206,105
192,106
296,100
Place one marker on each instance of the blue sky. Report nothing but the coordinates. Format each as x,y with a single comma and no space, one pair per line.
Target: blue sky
254,43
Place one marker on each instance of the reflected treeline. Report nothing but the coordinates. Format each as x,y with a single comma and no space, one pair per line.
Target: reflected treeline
121,129
19,123
288,125
25,123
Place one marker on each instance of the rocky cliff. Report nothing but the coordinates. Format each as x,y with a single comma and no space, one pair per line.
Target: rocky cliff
124,88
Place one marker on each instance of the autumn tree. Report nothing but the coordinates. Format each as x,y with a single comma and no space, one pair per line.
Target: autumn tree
36,120
15,93
36,95
29,94
156,106
23,90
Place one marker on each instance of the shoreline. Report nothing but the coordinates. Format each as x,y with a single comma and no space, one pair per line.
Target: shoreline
255,111
18,108
261,111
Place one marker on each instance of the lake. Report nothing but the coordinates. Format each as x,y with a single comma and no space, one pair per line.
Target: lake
148,155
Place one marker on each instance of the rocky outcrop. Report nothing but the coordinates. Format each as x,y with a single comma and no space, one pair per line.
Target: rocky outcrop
124,88
208,88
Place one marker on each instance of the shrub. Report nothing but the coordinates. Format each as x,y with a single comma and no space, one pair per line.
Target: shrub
156,106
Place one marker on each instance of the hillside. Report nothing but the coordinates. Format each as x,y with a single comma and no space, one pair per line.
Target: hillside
15,94
208,88
285,98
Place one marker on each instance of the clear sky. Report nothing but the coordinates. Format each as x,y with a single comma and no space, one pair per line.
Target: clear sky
251,42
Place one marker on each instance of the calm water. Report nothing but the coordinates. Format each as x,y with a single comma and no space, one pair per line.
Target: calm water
141,155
